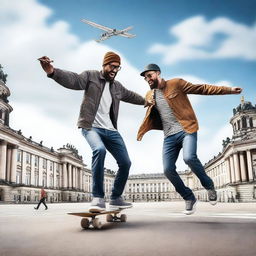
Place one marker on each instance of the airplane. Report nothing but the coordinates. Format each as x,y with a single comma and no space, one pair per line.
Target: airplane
109,31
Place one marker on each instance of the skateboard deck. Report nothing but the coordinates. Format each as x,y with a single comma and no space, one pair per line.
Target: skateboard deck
89,218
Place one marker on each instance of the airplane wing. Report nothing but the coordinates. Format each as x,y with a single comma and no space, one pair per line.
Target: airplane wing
97,25
124,33
126,29
127,35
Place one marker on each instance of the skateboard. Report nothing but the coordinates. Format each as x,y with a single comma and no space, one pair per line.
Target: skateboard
89,218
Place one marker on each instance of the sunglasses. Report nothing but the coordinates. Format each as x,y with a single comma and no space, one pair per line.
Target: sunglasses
149,76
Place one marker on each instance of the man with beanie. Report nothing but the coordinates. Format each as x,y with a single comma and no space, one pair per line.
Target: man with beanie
171,111
98,122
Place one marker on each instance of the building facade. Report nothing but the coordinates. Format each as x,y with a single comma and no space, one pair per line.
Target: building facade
152,187
234,169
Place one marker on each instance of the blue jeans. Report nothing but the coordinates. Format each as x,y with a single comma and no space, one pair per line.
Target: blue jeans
101,140
171,148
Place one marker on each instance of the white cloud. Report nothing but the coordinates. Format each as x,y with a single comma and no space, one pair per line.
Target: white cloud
198,38
47,111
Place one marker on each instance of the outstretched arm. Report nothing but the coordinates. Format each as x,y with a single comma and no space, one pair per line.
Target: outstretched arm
65,78
207,89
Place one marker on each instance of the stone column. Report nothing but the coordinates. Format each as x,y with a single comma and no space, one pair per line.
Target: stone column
3,155
69,176
55,174
48,172
32,170
237,169
14,164
81,179
249,164
23,167
8,164
40,171
74,177
65,175
243,167
228,174
232,169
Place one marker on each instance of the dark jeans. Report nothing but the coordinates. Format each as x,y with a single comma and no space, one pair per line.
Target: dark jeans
171,148
42,201
101,140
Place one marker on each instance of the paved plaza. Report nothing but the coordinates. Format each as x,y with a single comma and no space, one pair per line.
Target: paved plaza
151,229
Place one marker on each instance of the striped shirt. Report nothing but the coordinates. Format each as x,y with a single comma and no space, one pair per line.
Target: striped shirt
170,124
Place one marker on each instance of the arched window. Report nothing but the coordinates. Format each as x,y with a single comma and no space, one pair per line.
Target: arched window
251,122
244,125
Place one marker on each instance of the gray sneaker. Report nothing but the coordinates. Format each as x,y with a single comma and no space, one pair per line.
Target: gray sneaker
190,206
97,205
118,203
212,195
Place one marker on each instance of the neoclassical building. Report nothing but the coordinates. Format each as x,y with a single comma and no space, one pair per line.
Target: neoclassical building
153,187
234,169
26,166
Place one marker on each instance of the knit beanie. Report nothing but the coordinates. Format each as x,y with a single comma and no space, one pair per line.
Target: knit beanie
111,57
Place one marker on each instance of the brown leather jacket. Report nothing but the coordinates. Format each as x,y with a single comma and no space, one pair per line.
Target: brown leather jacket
175,92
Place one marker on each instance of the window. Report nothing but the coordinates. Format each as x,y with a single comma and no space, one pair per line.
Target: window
18,177
44,163
250,122
36,178
51,180
244,125
51,165
28,158
28,178
36,161
19,156
44,179
238,125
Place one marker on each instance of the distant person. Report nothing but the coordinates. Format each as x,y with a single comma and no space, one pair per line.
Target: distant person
171,111
42,199
98,122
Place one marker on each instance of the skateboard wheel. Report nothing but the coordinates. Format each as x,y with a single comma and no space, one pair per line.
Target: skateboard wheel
109,218
96,223
85,223
123,218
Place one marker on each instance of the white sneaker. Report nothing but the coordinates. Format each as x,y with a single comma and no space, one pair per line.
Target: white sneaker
97,205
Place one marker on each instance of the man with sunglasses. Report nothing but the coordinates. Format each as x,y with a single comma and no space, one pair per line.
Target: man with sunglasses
171,111
98,122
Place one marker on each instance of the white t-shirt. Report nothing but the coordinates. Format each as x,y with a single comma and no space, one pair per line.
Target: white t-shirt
102,118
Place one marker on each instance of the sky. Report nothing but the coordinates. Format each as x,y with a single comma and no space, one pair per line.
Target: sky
201,41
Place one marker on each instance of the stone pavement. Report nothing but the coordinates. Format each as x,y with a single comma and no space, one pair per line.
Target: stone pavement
151,229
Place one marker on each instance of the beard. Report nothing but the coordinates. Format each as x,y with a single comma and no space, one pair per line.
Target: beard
153,84
109,77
